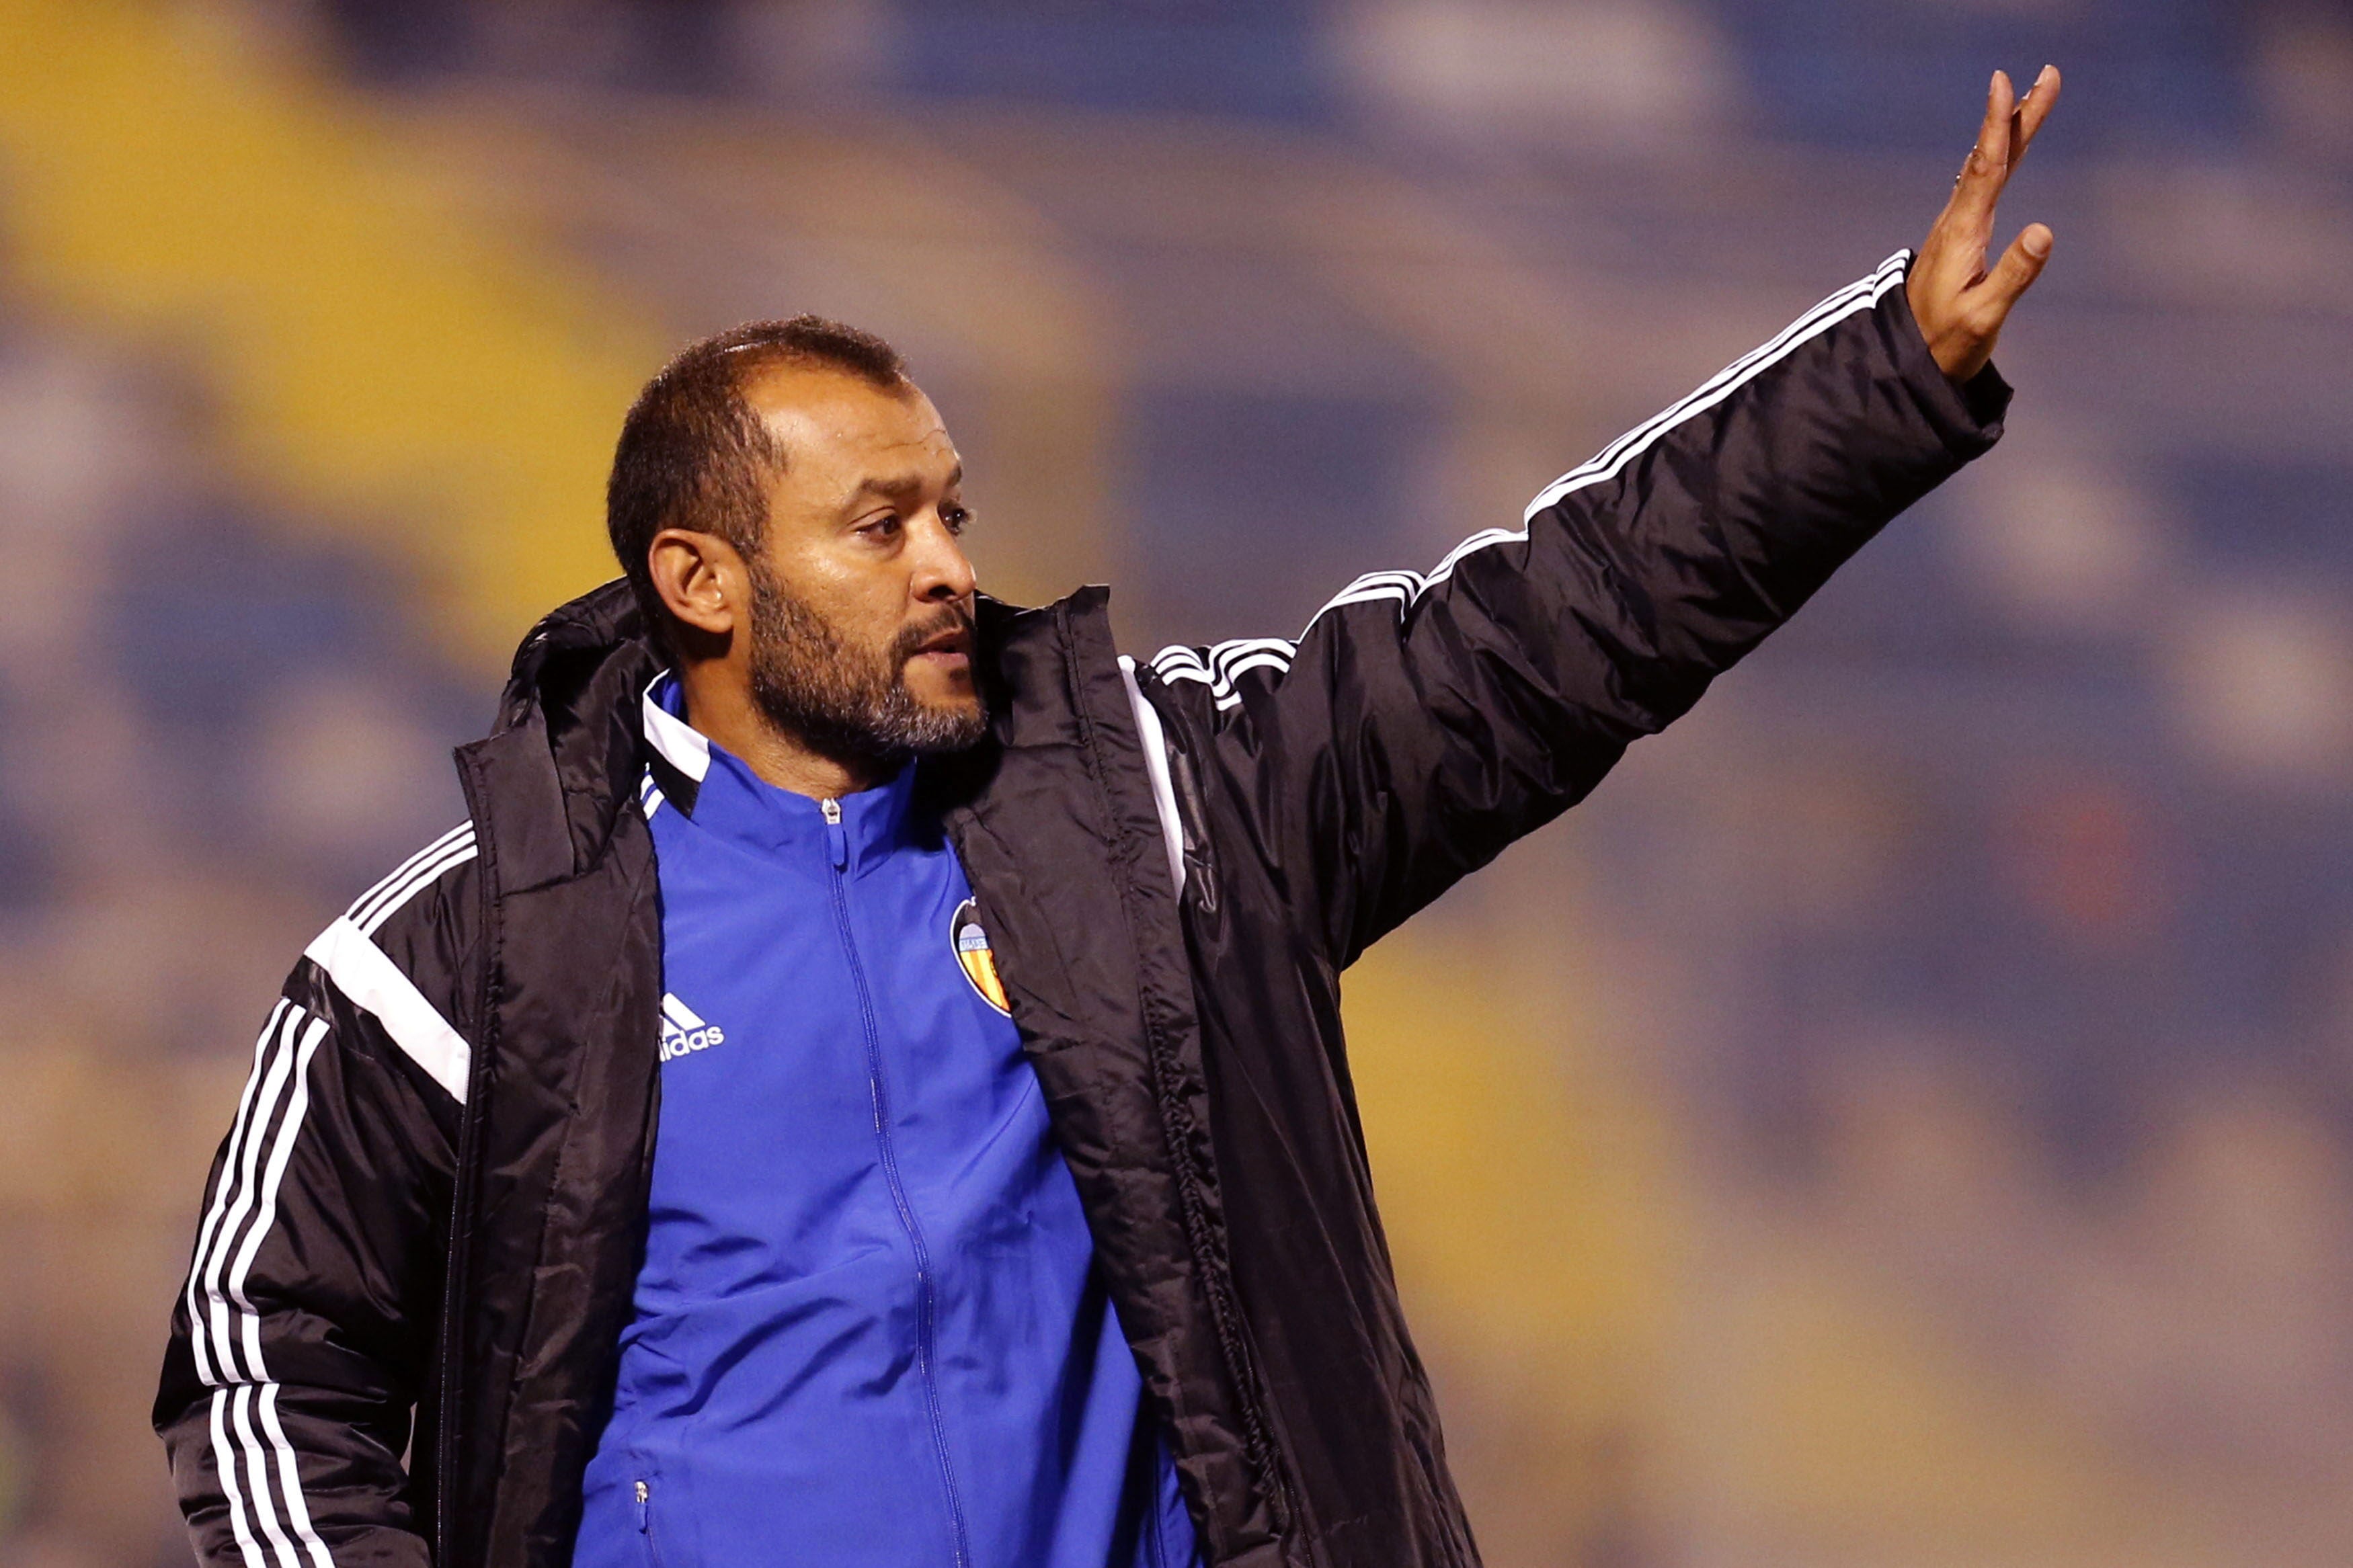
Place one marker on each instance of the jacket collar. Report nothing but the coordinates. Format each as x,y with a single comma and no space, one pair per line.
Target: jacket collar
672,738
718,791
559,772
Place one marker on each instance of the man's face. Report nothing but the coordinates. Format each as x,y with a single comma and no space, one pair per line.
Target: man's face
862,598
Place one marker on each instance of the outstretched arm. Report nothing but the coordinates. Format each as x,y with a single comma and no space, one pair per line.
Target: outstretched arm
1423,721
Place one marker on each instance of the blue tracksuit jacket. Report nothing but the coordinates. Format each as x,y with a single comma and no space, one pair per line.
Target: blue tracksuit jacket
867,1329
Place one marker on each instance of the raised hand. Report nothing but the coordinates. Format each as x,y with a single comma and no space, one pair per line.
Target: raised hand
1960,305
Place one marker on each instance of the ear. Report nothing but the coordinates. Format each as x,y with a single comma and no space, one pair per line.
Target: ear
700,578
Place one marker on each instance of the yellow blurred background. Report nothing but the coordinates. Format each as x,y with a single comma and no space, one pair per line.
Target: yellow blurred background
1904,1119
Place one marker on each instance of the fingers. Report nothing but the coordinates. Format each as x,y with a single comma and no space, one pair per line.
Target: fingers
2032,111
1991,153
1980,186
1960,304
1993,136
2015,273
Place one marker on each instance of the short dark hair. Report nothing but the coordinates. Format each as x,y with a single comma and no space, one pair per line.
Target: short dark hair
692,452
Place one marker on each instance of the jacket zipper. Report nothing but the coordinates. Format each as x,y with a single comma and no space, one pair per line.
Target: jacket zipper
837,843
453,1288
1225,1311
451,1334
645,1493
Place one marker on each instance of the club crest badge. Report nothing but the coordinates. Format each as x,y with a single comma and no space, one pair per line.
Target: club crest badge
973,957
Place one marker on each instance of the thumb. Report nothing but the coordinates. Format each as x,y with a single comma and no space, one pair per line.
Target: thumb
2019,266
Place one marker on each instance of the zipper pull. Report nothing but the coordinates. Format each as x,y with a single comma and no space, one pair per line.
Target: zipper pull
835,838
643,1494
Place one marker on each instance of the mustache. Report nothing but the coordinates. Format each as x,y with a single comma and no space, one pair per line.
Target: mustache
911,639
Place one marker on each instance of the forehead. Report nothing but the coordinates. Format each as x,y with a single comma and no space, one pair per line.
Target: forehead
829,422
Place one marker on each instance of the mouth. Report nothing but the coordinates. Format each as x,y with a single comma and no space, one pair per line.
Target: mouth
947,649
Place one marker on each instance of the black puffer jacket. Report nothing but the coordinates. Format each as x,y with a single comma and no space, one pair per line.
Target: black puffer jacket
434,1194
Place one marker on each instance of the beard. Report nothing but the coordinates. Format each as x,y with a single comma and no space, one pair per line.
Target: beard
851,703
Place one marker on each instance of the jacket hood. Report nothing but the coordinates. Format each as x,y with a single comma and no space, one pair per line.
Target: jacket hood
586,632
568,736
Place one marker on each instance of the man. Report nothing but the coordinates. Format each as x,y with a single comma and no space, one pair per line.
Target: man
864,1085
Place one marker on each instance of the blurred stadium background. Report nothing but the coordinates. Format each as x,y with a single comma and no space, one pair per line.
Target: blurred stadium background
1905,1119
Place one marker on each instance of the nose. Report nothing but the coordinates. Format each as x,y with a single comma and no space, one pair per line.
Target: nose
943,573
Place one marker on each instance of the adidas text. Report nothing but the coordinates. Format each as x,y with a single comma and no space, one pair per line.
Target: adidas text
677,1043
683,1031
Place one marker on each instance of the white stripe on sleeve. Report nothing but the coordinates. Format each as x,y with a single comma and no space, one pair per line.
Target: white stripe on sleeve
257,1471
402,872
289,1481
289,1127
372,912
361,971
1227,661
217,1306
213,1213
225,1265
224,1458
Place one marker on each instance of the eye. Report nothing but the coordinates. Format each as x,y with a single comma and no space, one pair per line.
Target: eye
886,526
956,516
